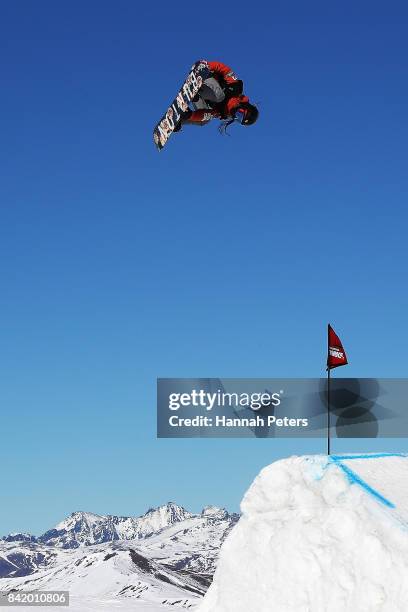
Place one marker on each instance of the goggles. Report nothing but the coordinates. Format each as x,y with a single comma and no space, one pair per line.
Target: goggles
241,114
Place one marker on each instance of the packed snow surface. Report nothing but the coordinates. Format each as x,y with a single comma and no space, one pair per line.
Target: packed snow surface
318,535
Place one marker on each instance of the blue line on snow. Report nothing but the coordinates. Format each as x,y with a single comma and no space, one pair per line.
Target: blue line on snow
354,478
368,456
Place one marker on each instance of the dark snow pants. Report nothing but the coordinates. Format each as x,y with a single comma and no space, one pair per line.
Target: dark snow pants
211,91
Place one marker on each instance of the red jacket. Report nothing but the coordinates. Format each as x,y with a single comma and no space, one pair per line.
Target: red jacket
231,105
222,72
225,76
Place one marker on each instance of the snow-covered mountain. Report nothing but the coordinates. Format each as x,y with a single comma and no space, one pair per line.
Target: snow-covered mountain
316,533
19,537
23,558
165,557
107,571
86,528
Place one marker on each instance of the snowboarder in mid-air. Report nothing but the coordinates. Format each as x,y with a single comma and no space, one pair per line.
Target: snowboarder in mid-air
220,97
211,90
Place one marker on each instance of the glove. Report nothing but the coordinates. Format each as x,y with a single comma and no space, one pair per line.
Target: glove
234,89
186,114
184,117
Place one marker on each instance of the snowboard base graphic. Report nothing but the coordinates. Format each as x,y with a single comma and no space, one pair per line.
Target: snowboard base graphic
180,104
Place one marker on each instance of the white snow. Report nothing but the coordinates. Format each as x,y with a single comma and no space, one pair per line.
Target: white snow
178,559
157,519
88,518
102,580
318,535
214,511
86,528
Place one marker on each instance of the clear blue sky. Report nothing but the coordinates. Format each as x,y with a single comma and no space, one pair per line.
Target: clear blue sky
218,257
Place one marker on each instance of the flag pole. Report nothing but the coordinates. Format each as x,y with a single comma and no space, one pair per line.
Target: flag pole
328,410
336,357
328,389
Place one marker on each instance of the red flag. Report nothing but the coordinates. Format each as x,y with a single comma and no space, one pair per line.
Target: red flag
336,355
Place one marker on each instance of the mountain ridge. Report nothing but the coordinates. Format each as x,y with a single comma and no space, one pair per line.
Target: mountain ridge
87,528
169,534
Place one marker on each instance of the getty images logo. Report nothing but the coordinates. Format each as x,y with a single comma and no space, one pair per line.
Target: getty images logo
220,399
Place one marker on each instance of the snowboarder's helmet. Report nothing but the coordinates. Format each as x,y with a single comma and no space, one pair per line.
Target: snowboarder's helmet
249,113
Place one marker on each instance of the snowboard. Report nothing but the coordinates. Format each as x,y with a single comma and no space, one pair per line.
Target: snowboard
180,105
